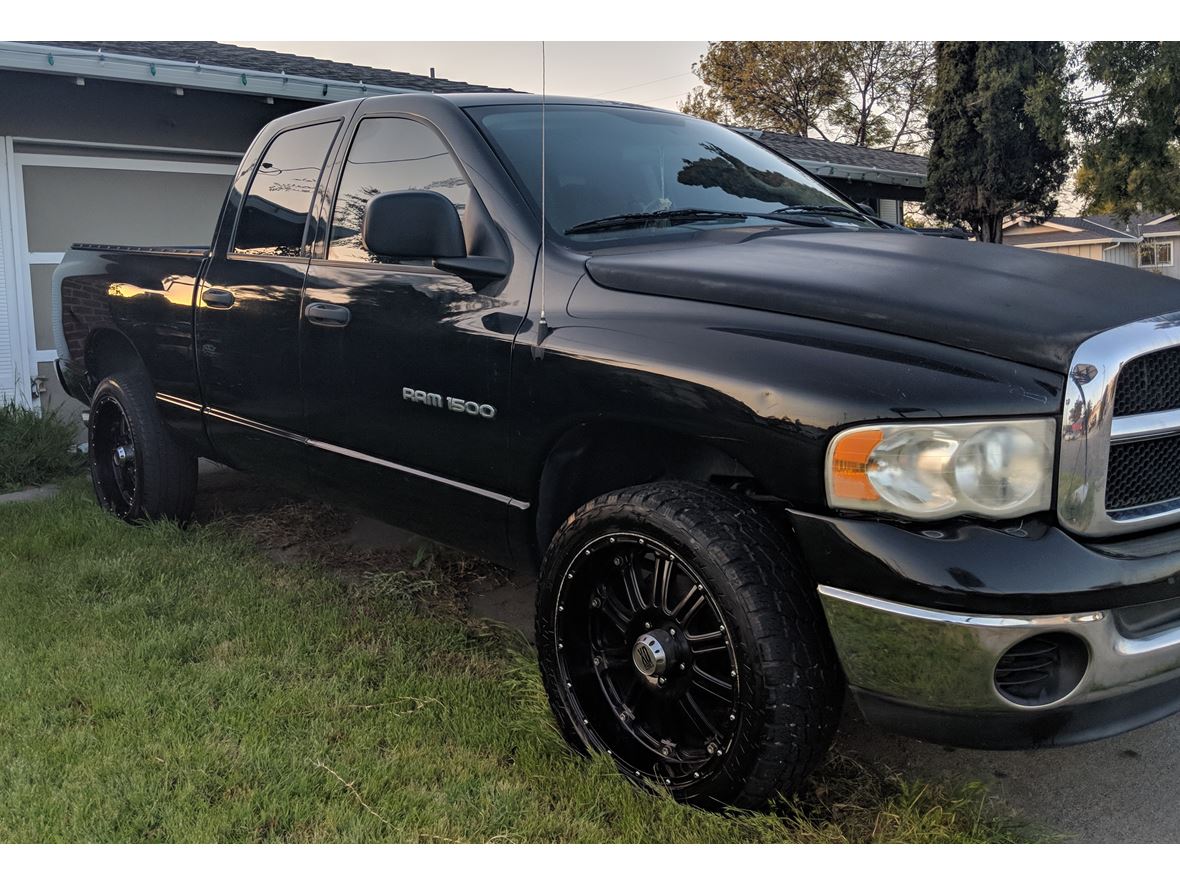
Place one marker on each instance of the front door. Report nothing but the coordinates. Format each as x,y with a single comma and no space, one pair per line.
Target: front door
247,319
405,368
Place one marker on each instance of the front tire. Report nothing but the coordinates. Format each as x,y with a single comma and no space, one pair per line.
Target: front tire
677,633
138,470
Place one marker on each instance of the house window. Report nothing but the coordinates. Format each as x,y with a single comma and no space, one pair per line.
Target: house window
1155,254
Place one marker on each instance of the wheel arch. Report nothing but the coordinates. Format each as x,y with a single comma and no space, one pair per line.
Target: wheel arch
591,459
109,351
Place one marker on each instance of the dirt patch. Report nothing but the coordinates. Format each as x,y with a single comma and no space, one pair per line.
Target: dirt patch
369,556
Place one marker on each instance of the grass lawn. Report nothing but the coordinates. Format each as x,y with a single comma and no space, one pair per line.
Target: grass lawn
165,685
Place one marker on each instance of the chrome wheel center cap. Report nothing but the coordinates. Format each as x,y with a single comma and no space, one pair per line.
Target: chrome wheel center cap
650,653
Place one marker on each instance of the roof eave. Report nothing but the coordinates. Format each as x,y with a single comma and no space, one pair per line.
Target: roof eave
827,169
45,59
1011,240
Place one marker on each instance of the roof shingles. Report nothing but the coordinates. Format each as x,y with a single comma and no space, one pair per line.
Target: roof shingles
264,60
799,148
1108,228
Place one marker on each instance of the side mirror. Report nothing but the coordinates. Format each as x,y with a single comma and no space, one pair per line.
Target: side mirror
413,224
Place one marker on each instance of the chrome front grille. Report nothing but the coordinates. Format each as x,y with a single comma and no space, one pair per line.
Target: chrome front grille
1149,383
1143,473
1120,436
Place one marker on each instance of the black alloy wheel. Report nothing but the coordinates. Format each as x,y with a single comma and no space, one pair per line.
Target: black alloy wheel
646,660
678,633
117,472
138,469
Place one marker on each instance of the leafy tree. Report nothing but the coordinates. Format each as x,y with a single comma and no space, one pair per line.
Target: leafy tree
1130,161
870,93
999,121
787,87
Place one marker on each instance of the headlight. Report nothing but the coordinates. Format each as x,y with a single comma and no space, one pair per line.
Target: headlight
931,471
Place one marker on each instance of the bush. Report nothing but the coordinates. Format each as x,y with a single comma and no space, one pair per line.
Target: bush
34,448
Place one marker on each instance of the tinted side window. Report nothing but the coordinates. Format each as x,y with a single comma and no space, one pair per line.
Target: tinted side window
389,154
275,212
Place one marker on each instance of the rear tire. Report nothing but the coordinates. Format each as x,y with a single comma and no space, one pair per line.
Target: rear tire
138,469
720,682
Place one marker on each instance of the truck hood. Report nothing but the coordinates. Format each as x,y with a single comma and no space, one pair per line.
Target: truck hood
1017,304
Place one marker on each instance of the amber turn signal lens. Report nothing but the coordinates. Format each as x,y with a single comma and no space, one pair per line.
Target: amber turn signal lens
850,464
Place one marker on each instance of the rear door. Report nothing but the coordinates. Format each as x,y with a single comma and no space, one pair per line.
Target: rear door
247,308
404,391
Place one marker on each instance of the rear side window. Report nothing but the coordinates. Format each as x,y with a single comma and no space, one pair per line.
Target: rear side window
275,212
389,154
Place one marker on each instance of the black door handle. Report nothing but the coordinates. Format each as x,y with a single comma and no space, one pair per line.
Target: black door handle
327,314
218,298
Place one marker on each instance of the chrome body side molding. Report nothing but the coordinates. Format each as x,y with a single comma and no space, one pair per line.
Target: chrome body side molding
339,450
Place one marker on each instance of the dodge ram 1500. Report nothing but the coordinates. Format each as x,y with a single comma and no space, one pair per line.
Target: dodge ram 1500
759,446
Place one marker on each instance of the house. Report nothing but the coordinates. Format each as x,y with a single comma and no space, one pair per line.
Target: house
132,143
1150,241
884,180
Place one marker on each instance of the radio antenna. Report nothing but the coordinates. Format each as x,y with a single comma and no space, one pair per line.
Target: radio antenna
543,325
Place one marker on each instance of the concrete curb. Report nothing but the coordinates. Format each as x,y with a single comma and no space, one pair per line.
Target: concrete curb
36,493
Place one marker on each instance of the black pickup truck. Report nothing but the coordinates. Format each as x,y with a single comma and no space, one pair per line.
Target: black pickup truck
758,445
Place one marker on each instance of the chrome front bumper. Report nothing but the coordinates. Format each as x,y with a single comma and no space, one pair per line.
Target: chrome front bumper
945,662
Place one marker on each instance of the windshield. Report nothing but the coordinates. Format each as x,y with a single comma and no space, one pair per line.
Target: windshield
603,162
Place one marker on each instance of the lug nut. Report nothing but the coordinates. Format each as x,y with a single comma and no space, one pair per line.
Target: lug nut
647,625
597,661
666,751
683,666
672,632
662,680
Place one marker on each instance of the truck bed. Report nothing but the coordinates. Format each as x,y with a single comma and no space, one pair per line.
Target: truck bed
144,295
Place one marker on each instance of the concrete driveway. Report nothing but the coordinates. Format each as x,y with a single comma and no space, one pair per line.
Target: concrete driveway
1124,789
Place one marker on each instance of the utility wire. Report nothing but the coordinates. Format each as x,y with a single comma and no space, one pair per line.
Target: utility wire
645,83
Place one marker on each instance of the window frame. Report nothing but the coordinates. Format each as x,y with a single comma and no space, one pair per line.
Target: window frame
304,247
322,249
1155,247
1160,245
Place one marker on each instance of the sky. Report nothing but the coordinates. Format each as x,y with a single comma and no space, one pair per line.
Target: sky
657,74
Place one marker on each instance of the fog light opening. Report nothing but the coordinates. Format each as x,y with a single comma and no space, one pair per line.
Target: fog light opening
1042,669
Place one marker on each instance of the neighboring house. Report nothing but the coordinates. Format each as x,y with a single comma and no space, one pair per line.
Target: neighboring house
132,143
882,179
1150,242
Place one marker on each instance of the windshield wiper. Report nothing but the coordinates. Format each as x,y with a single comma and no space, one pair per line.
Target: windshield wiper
678,216
822,210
